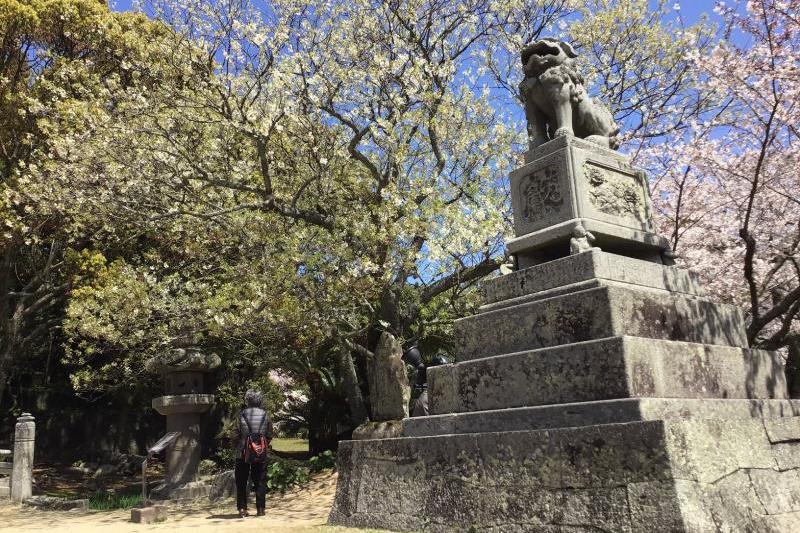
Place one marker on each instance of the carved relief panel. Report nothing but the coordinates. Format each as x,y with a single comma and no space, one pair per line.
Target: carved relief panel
609,189
540,194
616,193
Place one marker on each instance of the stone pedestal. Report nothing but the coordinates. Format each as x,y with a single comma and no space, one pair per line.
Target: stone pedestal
600,391
22,470
184,406
184,414
570,180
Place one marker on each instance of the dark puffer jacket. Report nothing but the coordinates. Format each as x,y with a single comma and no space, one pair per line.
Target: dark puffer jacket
259,423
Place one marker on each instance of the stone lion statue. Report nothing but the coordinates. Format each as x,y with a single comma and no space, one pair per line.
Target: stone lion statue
582,240
556,103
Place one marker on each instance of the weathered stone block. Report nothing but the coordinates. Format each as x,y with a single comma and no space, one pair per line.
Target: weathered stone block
616,367
595,314
779,492
787,454
55,503
22,469
513,481
191,491
707,450
183,403
597,412
223,485
634,477
585,270
654,506
568,181
776,523
553,242
783,429
387,429
149,515
736,502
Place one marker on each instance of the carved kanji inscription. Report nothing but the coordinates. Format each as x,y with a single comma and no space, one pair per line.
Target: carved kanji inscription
541,194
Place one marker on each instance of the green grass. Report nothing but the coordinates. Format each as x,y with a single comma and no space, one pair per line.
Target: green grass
107,502
290,445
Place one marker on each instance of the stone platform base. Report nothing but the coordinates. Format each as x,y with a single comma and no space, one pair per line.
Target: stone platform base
689,475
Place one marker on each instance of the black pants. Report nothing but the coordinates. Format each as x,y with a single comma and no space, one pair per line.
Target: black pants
255,471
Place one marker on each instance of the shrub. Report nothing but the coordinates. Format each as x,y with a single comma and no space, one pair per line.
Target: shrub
283,474
323,461
225,458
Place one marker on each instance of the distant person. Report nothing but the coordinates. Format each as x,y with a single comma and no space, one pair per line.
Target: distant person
255,432
419,394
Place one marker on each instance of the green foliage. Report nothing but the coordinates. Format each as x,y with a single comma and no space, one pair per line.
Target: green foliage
66,66
283,474
321,409
225,457
323,461
636,53
230,393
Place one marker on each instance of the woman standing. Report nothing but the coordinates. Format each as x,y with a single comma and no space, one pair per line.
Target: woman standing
255,432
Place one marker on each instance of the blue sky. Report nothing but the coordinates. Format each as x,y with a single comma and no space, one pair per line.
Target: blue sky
692,10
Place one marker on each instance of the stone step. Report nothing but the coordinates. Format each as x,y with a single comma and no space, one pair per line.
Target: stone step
604,369
595,314
690,476
606,412
575,271
191,491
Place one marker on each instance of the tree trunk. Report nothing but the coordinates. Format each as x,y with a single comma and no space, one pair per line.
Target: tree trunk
5,275
793,366
355,401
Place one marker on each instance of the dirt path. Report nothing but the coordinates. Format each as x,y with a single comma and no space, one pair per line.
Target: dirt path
299,511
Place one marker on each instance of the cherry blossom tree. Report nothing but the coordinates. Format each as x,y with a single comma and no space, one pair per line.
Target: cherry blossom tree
729,191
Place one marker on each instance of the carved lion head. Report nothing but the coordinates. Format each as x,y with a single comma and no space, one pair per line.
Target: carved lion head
544,54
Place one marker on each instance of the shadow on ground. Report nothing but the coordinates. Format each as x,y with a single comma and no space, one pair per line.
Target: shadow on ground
298,511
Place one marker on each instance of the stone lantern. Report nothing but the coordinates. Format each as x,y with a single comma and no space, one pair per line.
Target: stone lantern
184,403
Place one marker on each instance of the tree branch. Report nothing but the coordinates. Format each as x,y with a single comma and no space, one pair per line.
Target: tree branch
485,267
779,309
